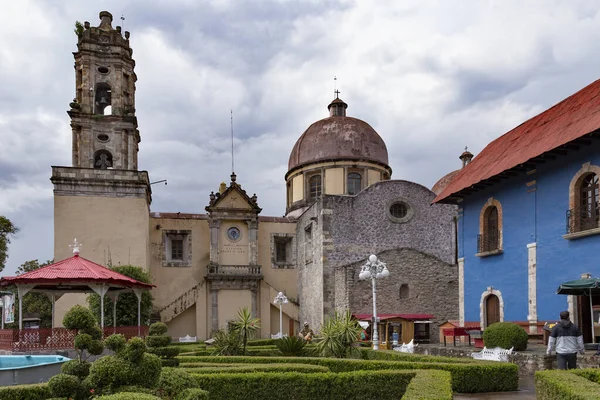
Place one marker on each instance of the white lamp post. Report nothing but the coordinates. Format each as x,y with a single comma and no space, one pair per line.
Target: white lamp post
281,300
374,269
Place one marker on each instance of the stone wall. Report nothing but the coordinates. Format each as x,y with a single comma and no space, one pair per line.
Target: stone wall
430,287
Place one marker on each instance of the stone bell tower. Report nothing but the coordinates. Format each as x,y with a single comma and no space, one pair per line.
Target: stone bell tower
102,114
102,199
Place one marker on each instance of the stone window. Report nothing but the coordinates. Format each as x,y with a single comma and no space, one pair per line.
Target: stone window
489,240
283,250
314,185
103,159
583,215
354,183
399,211
177,248
404,291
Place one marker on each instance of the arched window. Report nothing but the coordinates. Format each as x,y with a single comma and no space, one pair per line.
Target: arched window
314,184
490,228
103,159
354,183
589,205
102,98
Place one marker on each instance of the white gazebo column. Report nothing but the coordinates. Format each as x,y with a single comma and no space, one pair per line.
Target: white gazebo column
101,290
138,294
22,290
114,297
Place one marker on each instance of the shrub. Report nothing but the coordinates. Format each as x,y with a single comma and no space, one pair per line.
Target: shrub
129,396
226,343
169,362
339,333
473,377
135,389
146,371
134,350
245,325
291,346
80,369
505,335
429,385
193,394
559,385
173,381
115,343
110,372
63,385
249,368
164,352
157,329
39,391
79,317
261,342
158,341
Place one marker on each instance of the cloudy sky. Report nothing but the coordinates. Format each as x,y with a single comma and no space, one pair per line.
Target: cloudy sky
430,76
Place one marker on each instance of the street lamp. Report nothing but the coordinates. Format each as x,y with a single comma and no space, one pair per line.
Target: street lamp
281,300
374,269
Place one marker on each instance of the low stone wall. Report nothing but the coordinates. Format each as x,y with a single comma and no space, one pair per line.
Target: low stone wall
528,362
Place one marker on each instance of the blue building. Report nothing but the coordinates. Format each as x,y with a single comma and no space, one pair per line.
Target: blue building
528,217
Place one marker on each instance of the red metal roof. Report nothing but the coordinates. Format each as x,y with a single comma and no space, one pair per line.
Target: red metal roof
572,118
383,317
74,269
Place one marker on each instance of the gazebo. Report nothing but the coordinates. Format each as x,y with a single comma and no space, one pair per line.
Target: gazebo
75,275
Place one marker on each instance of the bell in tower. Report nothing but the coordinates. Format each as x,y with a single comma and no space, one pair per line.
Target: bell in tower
103,112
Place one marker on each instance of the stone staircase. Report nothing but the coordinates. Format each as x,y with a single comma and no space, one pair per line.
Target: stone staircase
179,305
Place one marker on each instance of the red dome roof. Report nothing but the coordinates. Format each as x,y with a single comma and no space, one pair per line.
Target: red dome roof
338,138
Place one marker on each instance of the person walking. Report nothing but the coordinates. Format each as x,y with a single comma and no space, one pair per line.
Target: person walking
568,341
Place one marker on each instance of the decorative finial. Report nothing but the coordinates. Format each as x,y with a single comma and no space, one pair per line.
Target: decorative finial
466,148
254,198
212,197
75,246
233,177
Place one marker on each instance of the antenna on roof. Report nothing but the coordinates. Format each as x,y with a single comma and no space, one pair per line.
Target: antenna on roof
335,91
232,159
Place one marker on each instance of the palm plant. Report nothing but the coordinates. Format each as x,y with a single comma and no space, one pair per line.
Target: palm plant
226,343
245,325
291,346
338,334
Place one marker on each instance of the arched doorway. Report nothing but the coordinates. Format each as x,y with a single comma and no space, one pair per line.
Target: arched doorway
492,309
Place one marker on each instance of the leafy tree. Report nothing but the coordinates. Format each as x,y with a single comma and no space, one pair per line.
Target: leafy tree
7,229
245,325
339,333
127,302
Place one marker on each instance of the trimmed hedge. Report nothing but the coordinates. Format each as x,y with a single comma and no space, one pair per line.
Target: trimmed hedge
471,377
39,391
260,352
261,342
167,352
505,335
565,385
193,394
591,374
430,385
390,355
380,385
173,381
304,368
129,396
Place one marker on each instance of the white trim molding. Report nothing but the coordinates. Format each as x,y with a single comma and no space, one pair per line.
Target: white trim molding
482,317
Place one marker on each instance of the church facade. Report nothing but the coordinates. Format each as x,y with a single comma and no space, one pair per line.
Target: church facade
341,207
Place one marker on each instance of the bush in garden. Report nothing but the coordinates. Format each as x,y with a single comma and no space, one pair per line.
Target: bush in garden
339,334
130,366
227,343
193,394
505,335
291,346
80,369
158,343
115,343
173,381
63,385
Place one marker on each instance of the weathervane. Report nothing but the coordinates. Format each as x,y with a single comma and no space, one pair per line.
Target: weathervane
122,22
75,246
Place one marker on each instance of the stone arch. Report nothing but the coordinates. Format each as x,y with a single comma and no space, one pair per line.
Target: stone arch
575,192
482,305
483,223
103,159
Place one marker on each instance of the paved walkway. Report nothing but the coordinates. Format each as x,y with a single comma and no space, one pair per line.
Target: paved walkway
526,392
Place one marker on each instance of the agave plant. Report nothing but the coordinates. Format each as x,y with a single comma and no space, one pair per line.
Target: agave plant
291,346
338,336
227,343
245,325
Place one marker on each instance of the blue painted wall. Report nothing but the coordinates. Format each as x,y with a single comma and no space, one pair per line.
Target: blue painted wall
531,214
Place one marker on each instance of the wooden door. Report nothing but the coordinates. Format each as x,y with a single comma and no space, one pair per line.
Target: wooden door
492,309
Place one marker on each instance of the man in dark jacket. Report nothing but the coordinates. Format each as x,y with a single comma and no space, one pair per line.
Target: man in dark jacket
568,341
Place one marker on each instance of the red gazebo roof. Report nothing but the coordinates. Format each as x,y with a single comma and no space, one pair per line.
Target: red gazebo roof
74,270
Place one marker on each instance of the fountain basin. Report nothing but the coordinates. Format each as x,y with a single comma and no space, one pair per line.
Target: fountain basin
20,370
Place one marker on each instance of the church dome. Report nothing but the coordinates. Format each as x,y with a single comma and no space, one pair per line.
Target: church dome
444,181
338,137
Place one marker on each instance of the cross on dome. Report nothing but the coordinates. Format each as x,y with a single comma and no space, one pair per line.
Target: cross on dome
75,246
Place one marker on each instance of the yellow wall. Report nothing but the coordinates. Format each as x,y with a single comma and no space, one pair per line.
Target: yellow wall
183,324
230,302
373,176
233,253
334,181
297,188
282,280
109,229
